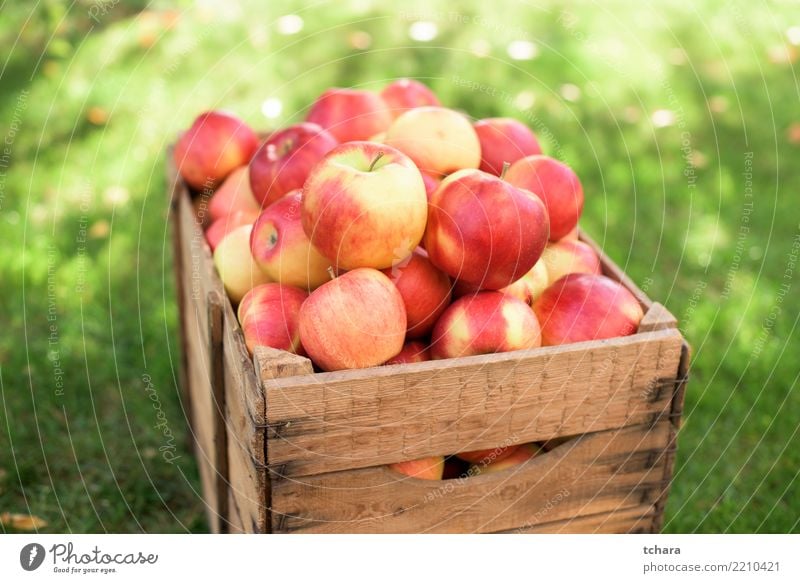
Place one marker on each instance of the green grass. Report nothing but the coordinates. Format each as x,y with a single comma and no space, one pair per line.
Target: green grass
667,203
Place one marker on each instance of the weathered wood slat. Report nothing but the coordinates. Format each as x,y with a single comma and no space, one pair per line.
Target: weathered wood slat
352,419
636,519
596,473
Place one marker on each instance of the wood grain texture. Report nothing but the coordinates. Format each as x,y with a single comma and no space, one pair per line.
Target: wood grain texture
244,400
354,419
219,459
636,519
592,474
657,318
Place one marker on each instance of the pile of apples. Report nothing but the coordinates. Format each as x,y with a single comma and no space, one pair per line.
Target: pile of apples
387,229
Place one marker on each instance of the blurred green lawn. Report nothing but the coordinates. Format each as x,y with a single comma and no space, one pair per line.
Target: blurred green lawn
682,122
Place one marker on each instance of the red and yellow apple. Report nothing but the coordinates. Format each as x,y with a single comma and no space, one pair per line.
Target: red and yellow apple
269,315
281,248
237,269
284,160
214,146
531,285
504,140
487,456
220,228
357,320
581,306
425,290
484,231
431,184
484,323
413,351
437,139
429,468
520,455
364,205
233,195
556,184
566,256
405,94
350,114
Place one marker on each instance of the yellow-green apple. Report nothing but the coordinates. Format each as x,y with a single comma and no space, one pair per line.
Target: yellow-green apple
583,306
357,320
504,140
217,230
566,256
405,94
237,269
214,146
425,290
520,455
350,114
487,456
484,231
437,139
531,285
233,195
283,161
413,351
484,323
269,315
556,184
281,248
364,205
429,468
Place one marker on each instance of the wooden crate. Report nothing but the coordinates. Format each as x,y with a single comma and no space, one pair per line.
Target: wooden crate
281,449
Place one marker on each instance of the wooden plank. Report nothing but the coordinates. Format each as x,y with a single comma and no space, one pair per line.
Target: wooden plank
219,433
601,472
657,318
612,270
635,519
244,402
362,418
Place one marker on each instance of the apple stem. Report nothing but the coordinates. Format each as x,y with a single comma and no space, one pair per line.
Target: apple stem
506,166
375,161
331,272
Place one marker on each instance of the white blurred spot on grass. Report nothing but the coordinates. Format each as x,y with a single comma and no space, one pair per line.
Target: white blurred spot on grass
522,50
423,31
272,107
524,99
793,34
663,118
360,40
289,24
570,92
116,195
480,48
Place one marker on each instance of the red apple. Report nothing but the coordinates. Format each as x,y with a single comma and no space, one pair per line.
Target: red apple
281,248
283,161
350,114
504,140
582,306
431,184
487,456
269,315
565,256
556,184
429,468
484,231
530,286
237,269
414,351
425,291
364,205
522,454
233,195
482,324
214,146
405,94
220,228
354,321
437,139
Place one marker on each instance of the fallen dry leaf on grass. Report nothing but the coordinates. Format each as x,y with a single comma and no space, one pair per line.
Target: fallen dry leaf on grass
22,521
